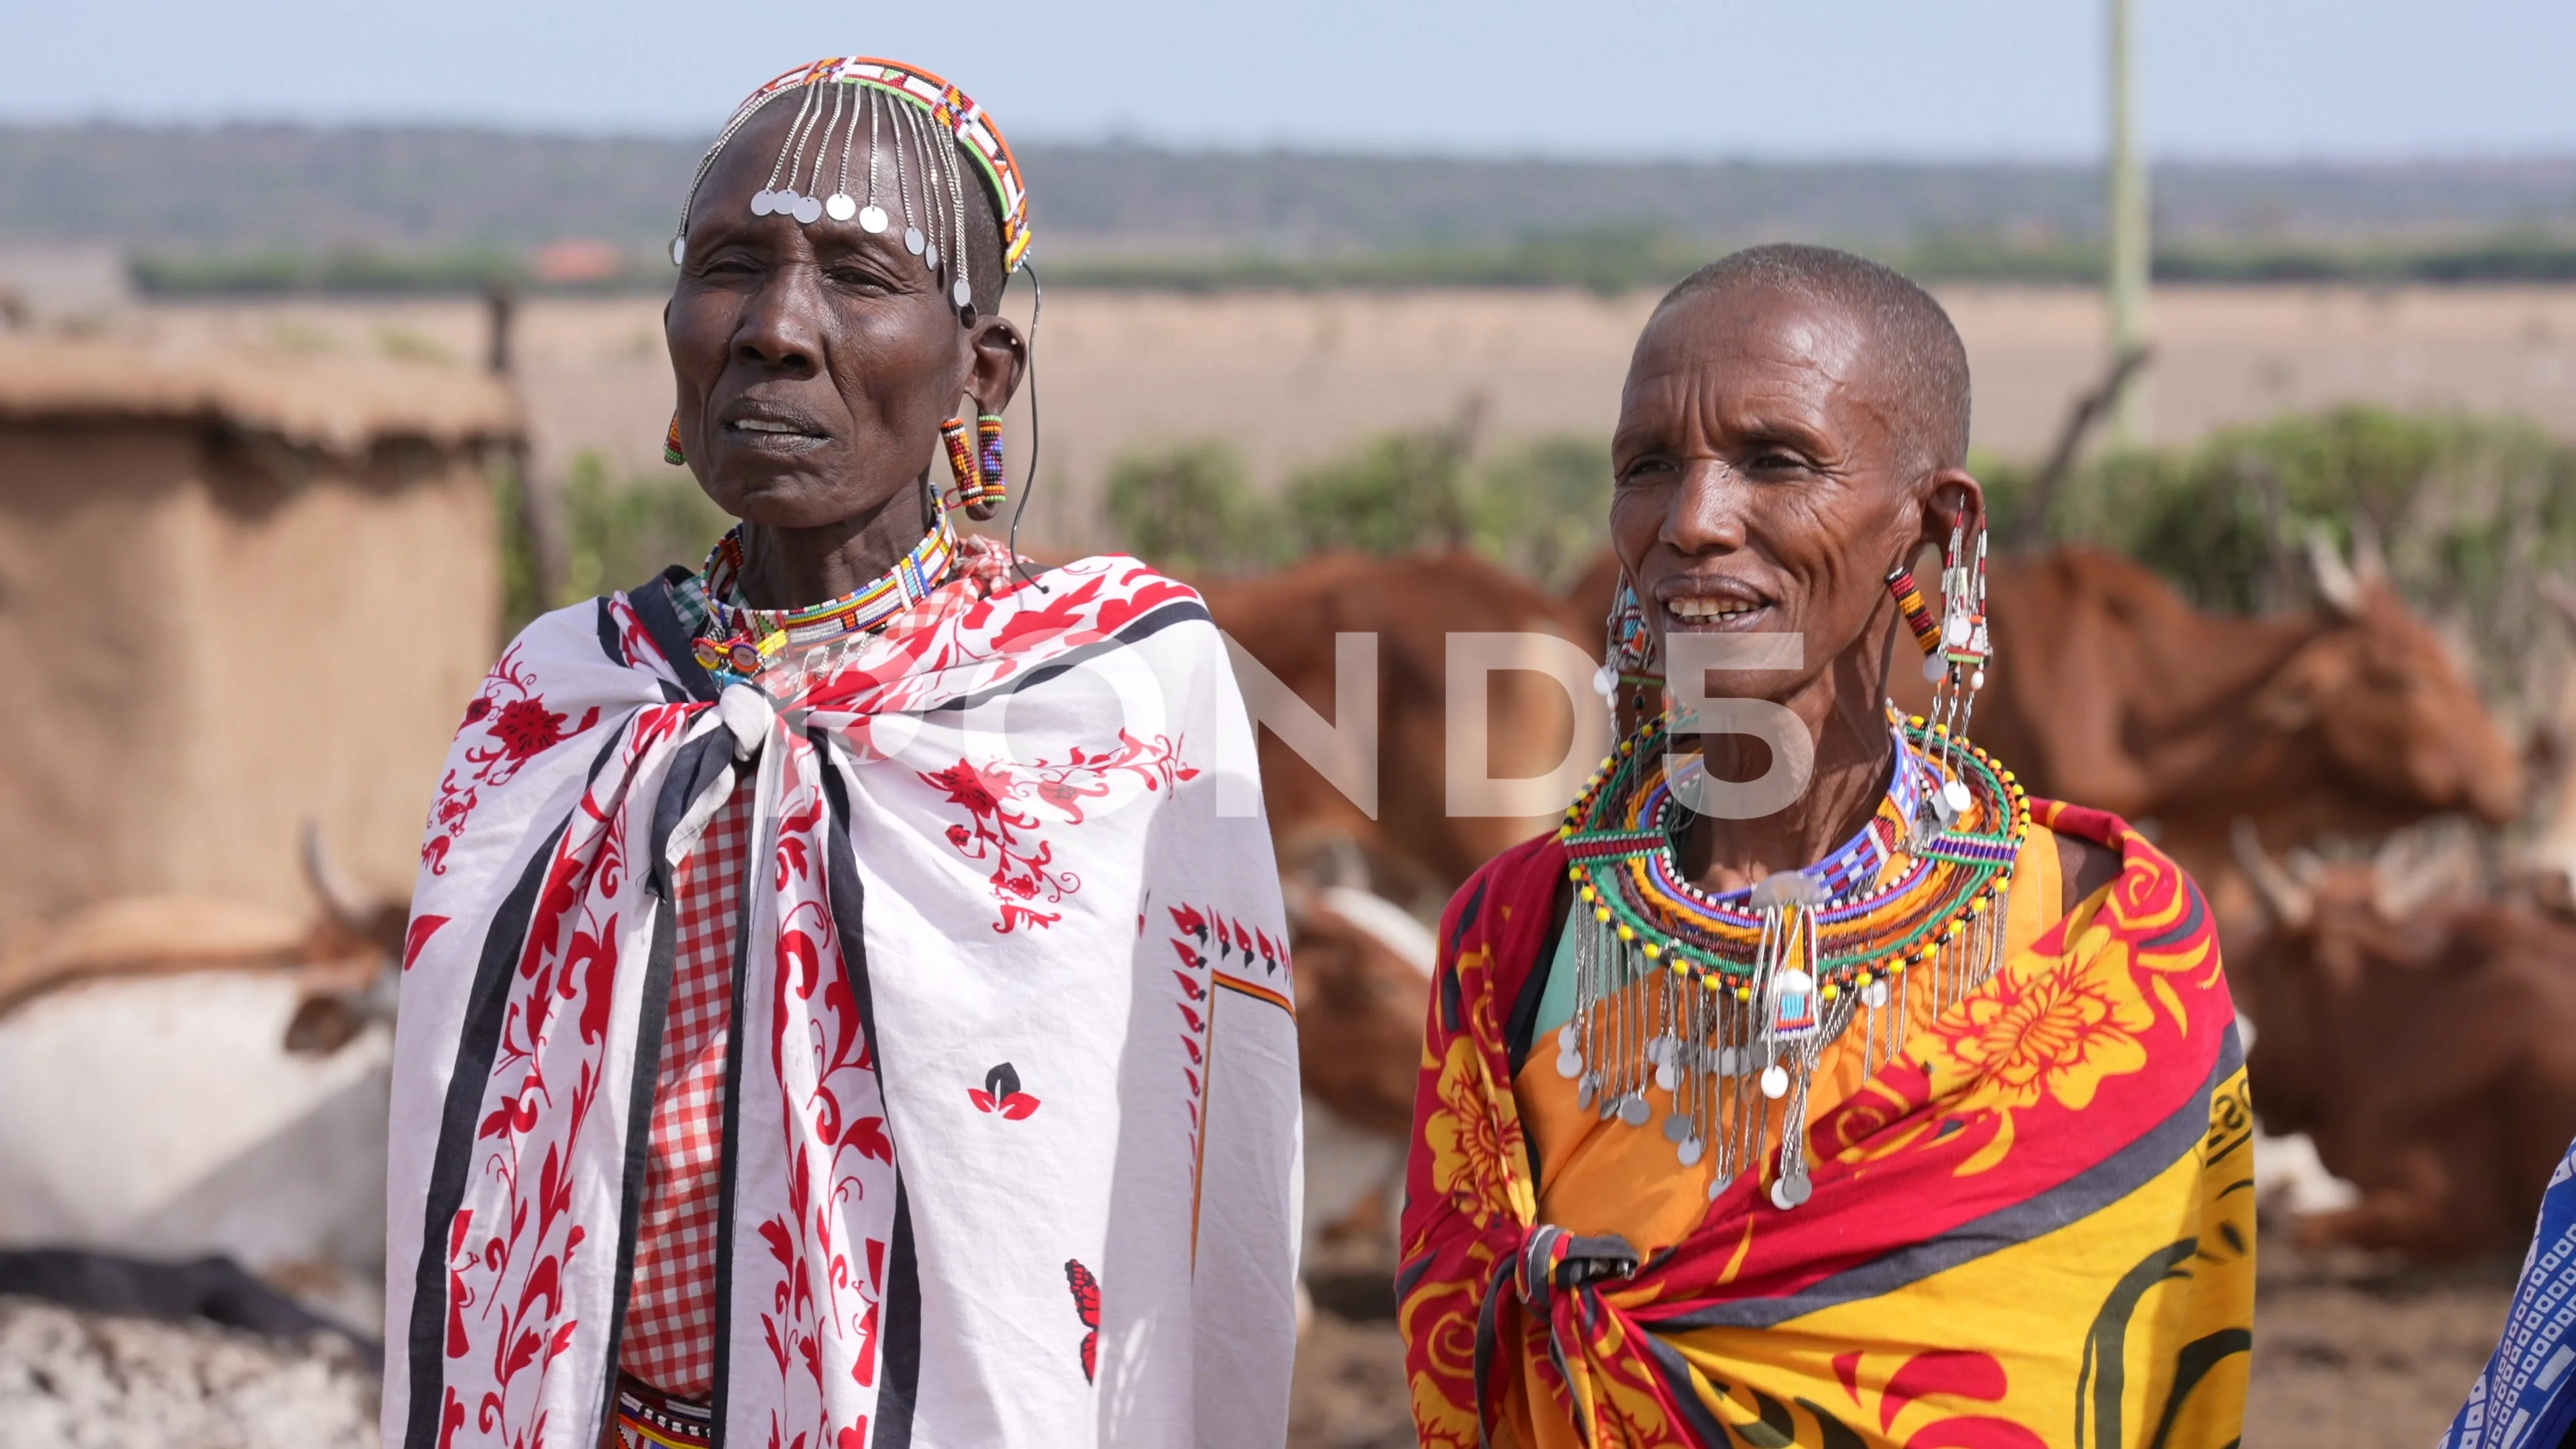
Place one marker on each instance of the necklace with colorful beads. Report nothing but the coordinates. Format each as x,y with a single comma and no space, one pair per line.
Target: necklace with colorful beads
1736,993
739,641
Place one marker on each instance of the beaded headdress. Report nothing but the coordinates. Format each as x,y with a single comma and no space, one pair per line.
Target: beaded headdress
890,101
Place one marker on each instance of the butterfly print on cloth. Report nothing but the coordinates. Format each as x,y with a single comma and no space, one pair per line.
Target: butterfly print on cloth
1086,1304
1001,1093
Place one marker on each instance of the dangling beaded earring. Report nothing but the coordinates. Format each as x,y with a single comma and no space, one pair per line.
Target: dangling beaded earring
976,464
671,453
1627,654
1955,654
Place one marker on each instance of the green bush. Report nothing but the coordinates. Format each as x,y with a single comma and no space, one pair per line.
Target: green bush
2468,512
617,535
1396,493
1189,509
1543,509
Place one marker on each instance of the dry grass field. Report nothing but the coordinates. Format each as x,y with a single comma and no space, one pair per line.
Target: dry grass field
1287,378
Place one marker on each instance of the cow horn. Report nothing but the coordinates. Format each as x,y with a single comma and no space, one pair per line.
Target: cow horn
2291,903
341,897
2369,560
2336,583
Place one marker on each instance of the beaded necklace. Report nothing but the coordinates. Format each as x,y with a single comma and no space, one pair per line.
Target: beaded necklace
1741,990
738,641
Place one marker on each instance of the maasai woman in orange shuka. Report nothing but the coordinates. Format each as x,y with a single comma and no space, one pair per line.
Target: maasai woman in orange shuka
1829,1091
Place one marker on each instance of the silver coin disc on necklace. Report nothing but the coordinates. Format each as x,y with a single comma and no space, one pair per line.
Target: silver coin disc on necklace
840,206
913,240
1691,1150
872,219
1665,1077
1775,1081
1583,1094
1955,795
1676,1128
1565,1037
1569,1064
1633,1110
1719,1184
1875,993
1792,1192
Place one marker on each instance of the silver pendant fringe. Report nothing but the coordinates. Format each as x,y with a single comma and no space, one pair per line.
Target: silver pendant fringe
1648,1044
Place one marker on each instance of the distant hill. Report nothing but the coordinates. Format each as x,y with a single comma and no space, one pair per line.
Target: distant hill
188,195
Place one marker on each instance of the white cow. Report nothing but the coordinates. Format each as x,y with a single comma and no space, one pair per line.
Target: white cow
149,1105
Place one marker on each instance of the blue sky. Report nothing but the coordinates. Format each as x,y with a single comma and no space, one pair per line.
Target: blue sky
1900,78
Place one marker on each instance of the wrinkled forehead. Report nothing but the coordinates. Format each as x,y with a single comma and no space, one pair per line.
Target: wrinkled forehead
1714,337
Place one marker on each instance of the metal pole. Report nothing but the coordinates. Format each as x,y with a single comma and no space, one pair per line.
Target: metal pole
2130,240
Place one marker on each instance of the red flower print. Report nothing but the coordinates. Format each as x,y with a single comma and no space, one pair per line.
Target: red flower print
1001,799
527,727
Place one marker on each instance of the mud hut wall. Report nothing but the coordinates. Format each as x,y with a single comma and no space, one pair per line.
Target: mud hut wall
283,636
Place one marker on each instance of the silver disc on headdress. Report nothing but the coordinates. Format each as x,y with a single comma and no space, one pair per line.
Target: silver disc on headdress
930,256
763,201
913,241
872,219
808,210
679,249
840,206
961,294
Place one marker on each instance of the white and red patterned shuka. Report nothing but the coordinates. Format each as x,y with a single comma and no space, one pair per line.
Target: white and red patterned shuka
1009,1108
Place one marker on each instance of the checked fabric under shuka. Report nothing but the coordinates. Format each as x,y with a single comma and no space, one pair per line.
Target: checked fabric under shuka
1010,1105
2032,1227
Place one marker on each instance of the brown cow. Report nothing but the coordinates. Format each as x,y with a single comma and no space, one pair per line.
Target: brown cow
1288,621
2112,691
2429,1049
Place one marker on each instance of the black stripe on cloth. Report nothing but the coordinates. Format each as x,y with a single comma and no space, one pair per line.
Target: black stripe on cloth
2088,1192
642,1083
651,601
478,1041
900,1325
606,622
1153,621
726,1177
696,768
902,1343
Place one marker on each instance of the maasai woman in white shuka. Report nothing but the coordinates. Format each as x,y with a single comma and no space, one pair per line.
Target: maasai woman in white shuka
865,1023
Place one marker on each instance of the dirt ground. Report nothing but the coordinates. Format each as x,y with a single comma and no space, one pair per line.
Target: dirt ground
2347,1355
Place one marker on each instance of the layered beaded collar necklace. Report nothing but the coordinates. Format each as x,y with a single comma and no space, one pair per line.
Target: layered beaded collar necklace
737,641
1713,997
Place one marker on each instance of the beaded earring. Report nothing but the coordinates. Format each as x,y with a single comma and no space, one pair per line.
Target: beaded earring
1956,651
976,464
1627,654
671,453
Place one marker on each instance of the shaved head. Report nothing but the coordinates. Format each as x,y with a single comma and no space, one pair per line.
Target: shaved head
1923,364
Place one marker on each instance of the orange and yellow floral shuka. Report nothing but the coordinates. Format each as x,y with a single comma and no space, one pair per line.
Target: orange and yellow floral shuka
2032,1226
